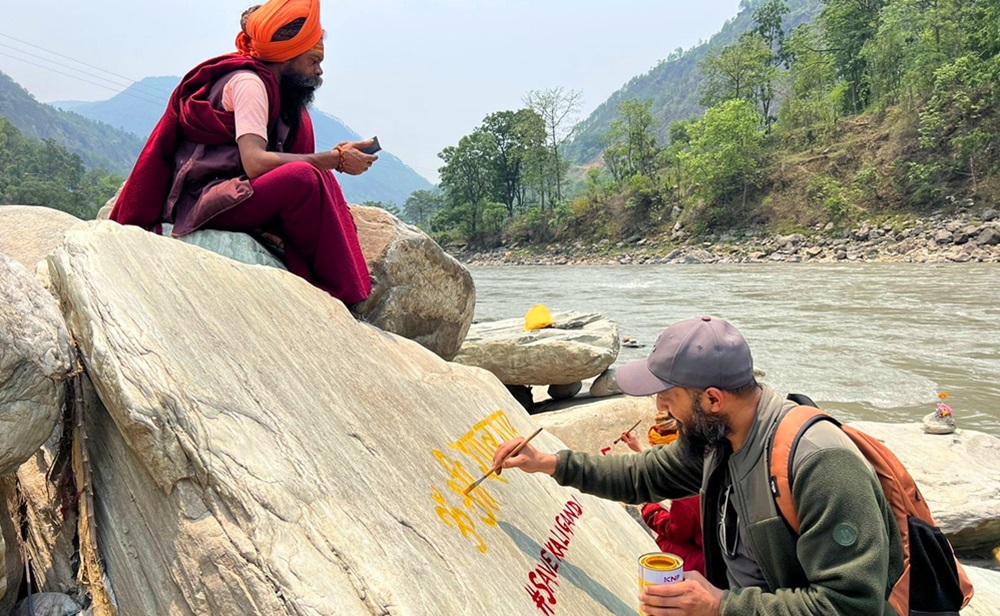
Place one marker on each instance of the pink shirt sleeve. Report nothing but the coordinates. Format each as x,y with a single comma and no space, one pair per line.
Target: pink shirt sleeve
246,97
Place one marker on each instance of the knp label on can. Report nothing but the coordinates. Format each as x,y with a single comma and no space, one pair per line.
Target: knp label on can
659,568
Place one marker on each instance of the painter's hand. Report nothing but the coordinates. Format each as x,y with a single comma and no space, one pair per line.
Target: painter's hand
356,162
529,459
632,441
694,596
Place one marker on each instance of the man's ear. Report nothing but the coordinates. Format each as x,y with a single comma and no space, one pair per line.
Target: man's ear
714,396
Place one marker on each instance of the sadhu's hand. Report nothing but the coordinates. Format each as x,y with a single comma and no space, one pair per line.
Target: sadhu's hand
354,161
529,459
694,596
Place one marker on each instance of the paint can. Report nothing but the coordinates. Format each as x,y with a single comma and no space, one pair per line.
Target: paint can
659,568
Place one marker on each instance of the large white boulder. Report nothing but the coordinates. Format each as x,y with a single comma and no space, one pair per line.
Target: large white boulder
262,452
958,474
576,347
36,356
420,292
28,232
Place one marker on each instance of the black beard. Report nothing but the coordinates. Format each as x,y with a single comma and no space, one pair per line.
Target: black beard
705,432
297,92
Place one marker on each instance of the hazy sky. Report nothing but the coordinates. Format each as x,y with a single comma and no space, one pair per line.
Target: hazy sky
419,74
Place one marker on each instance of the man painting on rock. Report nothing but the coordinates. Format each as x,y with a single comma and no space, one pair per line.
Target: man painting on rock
235,151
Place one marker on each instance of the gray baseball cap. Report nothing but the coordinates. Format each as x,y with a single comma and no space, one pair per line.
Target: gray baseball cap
699,353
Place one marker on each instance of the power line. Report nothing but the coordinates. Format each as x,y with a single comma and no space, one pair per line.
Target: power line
128,79
99,85
129,91
114,83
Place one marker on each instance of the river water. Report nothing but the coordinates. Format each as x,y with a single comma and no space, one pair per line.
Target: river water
865,341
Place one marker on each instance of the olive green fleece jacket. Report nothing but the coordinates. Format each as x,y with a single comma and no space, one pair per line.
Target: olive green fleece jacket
849,547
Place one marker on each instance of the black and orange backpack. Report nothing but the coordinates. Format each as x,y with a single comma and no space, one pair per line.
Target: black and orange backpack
933,581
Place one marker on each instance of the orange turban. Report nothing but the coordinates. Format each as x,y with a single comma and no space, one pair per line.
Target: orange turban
262,24
655,438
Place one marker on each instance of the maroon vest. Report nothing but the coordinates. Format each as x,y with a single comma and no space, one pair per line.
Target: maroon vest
209,179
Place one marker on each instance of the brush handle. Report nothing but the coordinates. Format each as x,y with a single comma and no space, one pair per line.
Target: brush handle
517,449
617,440
499,464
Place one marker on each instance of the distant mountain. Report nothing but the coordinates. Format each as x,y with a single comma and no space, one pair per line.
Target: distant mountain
674,85
98,145
138,109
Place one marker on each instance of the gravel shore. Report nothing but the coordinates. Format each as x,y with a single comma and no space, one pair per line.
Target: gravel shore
938,238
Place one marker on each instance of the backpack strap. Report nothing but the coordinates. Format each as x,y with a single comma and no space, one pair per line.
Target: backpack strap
781,454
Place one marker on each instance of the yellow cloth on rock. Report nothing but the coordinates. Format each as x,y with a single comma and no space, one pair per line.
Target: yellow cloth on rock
264,23
538,317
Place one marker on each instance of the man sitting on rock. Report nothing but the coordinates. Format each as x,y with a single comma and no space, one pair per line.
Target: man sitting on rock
849,546
235,151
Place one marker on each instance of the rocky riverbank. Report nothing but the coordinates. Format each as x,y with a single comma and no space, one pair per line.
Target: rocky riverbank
939,238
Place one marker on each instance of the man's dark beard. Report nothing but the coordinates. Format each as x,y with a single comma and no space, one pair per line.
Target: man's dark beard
702,432
297,92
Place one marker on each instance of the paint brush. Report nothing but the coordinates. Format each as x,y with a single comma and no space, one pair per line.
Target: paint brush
617,440
499,464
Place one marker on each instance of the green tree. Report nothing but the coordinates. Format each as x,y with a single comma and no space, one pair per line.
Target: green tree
770,18
44,173
953,118
421,206
468,181
810,109
848,25
886,54
516,135
631,142
725,152
744,71
558,108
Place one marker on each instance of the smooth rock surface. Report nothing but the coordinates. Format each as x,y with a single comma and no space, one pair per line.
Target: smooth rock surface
577,347
958,474
593,426
237,246
248,463
420,292
986,601
36,356
28,232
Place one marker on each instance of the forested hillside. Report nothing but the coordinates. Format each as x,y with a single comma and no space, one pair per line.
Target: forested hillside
673,86
876,109
98,145
34,172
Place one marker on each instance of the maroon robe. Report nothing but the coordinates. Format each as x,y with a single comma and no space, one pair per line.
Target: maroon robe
190,174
